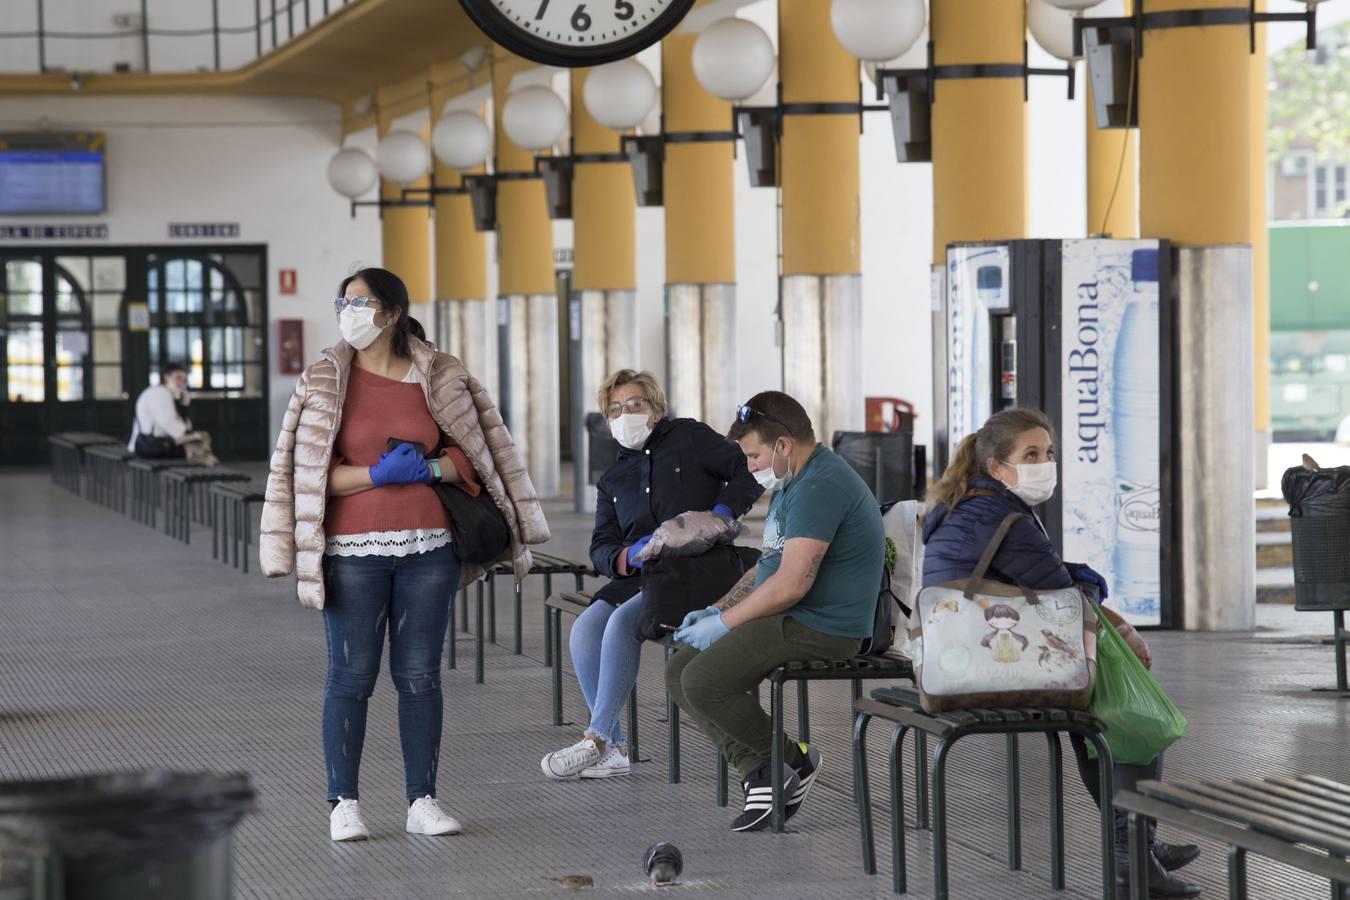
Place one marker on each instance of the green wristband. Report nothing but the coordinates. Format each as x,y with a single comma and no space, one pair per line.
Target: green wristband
434,471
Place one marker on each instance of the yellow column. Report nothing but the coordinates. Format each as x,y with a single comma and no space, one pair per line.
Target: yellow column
979,125
1112,169
603,206
1260,241
524,232
405,238
819,154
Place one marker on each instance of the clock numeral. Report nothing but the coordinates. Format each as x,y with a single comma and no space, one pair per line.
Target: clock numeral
623,10
542,8
581,21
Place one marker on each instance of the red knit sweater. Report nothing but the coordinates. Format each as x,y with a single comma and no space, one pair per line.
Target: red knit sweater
374,410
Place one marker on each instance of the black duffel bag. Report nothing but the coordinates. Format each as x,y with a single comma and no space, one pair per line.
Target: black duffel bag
674,586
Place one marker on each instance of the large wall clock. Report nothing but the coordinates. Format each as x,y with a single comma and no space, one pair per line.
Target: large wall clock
576,32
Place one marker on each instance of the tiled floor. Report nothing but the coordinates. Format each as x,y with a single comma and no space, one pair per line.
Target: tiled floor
120,649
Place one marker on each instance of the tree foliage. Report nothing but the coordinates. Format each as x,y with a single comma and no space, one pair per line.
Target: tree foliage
1309,99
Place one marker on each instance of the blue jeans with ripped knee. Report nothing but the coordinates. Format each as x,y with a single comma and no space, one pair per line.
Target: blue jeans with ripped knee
409,598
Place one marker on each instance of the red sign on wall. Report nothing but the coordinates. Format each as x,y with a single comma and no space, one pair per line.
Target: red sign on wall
287,277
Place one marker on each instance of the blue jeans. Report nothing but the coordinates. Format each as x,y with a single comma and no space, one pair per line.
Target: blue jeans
411,595
606,651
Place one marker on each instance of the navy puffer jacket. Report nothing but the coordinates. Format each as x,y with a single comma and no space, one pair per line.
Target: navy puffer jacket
953,543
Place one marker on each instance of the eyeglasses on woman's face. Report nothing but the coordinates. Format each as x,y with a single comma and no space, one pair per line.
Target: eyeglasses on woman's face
631,405
342,303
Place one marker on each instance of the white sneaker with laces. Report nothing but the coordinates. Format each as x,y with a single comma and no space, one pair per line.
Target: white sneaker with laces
427,816
345,822
611,765
561,765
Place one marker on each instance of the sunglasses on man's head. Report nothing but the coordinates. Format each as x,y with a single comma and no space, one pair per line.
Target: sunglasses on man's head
745,411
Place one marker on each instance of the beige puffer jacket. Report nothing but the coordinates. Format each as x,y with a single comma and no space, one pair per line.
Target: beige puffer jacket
292,536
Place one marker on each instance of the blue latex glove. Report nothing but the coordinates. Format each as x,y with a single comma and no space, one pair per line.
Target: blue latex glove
723,510
402,465
633,561
1088,575
702,633
697,615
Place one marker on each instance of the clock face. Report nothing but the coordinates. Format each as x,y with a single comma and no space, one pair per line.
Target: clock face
576,32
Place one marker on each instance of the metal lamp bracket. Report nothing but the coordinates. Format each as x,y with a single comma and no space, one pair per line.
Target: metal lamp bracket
1139,22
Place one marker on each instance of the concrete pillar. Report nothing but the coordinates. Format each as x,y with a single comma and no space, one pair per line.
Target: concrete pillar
1260,241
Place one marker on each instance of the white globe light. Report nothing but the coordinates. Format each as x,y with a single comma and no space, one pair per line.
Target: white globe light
733,58
352,172
877,30
461,140
402,157
620,94
534,118
1052,27
1074,5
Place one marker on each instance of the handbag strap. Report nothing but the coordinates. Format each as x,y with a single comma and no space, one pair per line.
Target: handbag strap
987,558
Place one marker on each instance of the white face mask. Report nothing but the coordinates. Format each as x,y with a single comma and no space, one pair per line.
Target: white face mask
768,480
630,430
358,326
1035,482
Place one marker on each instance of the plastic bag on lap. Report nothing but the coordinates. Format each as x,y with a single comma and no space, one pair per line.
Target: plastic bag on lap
690,534
1141,721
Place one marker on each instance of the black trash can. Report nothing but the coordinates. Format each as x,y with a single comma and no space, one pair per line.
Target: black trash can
884,459
602,451
126,836
1319,506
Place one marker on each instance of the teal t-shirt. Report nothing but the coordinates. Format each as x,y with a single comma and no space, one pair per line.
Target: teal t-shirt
828,501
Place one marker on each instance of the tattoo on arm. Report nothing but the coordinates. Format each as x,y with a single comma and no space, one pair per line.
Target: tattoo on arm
815,567
742,589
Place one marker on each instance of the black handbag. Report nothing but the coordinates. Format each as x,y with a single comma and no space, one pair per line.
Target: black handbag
479,528
673,587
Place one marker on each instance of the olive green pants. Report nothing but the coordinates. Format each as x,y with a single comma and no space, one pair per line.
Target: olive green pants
716,687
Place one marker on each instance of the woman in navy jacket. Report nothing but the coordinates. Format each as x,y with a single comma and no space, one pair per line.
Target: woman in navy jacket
1008,466
665,467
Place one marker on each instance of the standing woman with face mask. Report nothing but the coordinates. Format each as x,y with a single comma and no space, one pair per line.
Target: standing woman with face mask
350,508
665,467
1008,466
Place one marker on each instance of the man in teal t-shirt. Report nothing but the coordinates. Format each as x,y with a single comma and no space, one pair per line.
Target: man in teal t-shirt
813,596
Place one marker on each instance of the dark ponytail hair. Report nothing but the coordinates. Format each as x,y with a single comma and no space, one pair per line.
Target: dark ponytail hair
392,293
995,440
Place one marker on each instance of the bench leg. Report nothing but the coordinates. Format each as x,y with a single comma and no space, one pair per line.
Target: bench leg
1056,776
776,755
672,732
492,609
633,725
899,875
921,763
1105,770
1138,829
803,711
857,688
520,588
555,637
451,633
940,885
213,502
1014,804
464,614
1237,868
721,780
862,794
548,644
478,637
1341,639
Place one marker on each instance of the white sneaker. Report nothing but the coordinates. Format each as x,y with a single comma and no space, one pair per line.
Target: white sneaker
612,764
568,762
345,822
427,816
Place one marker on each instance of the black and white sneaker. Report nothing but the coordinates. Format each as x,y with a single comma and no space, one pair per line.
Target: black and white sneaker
807,766
759,797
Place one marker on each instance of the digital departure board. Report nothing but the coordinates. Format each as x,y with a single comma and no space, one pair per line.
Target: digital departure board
52,173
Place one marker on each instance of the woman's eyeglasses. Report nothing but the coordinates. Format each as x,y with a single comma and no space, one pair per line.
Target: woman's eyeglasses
745,411
631,405
342,303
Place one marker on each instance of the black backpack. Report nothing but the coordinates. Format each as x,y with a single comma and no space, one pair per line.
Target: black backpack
883,620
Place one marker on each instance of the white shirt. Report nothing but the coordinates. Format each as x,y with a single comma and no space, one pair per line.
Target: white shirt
157,416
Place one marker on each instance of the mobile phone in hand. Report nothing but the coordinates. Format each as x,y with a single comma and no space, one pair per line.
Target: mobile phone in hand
669,627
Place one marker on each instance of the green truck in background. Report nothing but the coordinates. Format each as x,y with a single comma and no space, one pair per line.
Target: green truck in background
1310,330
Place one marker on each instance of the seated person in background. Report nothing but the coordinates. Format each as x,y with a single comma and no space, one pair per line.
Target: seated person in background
161,428
1009,466
665,467
813,596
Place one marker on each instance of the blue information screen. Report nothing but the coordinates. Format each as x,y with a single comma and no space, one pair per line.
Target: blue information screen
51,181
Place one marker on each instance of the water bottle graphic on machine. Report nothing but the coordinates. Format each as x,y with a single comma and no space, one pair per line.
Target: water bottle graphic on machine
1135,399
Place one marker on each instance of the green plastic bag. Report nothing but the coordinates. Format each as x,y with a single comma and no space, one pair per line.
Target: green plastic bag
1140,720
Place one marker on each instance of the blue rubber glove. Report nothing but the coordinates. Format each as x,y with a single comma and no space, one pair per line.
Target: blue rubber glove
1087,575
699,614
703,633
723,510
633,551
402,465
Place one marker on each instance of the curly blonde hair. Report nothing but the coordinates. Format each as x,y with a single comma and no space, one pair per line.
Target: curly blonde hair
644,379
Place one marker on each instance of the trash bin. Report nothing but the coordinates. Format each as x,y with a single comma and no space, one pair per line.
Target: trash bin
141,835
1319,506
884,459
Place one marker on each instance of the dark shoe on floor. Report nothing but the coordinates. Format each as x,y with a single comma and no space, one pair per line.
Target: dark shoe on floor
1161,883
1173,856
759,797
806,762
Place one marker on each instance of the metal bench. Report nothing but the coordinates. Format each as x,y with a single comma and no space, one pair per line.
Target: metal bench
186,498
106,475
1277,817
228,503
901,706
145,489
67,451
